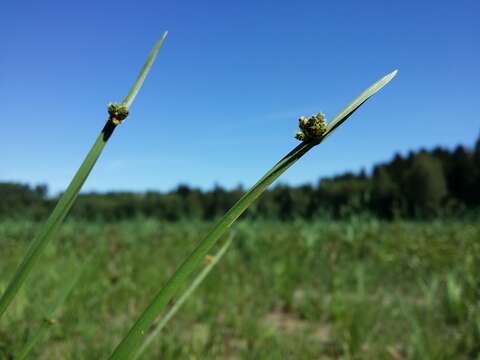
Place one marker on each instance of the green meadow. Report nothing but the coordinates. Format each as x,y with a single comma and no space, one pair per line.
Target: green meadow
353,289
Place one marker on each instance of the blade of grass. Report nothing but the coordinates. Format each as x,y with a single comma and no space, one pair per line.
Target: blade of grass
68,198
144,72
49,319
181,300
359,101
132,340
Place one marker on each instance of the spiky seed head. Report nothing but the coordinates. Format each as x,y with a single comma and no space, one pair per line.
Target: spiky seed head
117,112
311,129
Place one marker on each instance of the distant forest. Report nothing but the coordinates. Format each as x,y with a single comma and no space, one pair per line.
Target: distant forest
423,184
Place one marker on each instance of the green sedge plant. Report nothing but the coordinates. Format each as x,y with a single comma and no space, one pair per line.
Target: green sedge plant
117,113
312,132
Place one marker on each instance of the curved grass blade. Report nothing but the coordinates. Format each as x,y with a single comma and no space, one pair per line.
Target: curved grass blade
68,198
181,300
133,338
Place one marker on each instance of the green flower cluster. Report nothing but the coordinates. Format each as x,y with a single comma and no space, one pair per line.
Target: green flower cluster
117,112
311,129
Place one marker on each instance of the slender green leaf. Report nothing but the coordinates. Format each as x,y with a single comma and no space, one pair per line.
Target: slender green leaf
133,338
144,72
68,198
355,104
181,300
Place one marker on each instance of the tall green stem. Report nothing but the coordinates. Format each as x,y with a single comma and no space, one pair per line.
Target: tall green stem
68,198
181,300
133,338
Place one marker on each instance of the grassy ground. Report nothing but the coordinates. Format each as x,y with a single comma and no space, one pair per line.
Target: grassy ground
351,290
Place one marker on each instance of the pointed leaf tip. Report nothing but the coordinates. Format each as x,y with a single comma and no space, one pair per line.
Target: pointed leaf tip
127,102
359,101
391,75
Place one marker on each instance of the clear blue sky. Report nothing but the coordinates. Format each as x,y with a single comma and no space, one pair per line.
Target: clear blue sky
222,101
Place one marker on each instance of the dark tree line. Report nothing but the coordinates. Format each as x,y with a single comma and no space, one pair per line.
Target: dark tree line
421,184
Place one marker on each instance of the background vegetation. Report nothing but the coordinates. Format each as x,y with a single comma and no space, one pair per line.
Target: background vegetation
357,289
422,184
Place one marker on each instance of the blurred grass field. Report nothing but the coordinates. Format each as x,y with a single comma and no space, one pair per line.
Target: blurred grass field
358,289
